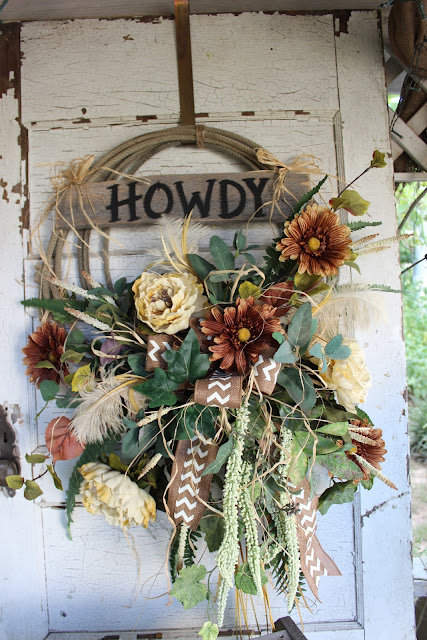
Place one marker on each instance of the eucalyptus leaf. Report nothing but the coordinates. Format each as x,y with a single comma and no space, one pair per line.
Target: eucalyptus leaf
299,386
299,331
284,354
336,350
223,258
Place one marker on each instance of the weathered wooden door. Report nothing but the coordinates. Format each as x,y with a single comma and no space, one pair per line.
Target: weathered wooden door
295,84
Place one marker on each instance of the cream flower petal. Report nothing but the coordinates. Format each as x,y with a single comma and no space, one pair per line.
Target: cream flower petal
350,378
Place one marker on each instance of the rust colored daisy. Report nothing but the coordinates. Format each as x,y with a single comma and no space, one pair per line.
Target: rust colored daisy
369,444
278,296
240,333
317,240
45,344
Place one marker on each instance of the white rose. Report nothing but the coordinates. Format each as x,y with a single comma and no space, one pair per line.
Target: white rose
350,378
167,302
112,494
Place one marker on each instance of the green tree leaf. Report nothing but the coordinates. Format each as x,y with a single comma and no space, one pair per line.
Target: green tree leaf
196,418
334,429
279,337
299,386
45,364
56,479
32,490
284,354
159,389
339,493
72,356
213,527
137,363
201,266
223,258
304,281
209,631
336,350
299,331
222,456
351,201
35,458
15,482
187,588
187,363
378,159
340,466
75,337
244,581
323,445
299,465
48,389
247,289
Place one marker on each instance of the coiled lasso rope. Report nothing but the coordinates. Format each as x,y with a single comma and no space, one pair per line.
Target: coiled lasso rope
127,158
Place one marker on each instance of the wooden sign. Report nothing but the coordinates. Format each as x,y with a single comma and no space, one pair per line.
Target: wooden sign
214,197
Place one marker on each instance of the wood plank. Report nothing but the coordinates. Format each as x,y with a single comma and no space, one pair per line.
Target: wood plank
393,69
383,612
23,604
140,79
417,124
414,176
60,9
213,197
403,135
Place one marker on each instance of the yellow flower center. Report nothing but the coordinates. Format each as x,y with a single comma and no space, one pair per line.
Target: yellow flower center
244,334
313,244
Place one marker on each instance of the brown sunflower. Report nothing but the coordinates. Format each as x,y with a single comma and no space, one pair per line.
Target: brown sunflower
45,344
240,333
317,240
278,296
369,444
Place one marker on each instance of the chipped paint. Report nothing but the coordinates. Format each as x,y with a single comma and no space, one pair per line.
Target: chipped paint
9,453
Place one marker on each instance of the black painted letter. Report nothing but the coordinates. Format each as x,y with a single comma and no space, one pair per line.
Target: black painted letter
256,191
149,197
225,212
196,200
115,203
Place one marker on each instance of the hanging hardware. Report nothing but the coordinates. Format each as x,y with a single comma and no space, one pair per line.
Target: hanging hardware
185,66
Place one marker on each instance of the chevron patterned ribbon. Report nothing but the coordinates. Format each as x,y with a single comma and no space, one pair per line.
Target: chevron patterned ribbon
156,347
221,389
266,371
188,484
315,563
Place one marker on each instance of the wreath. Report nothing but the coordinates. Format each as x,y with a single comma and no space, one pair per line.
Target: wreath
215,390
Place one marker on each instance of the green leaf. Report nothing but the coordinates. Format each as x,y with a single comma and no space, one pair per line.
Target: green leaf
316,351
159,389
339,493
323,445
355,226
15,482
130,445
120,286
247,289
239,241
196,418
57,307
351,201
308,196
363,416
116,464
244,581
201,266
137,364
45,364
56,479
284,354
304,281
75,337
299,331
209,631
188,589
368,484
90,454
222,456
35,458
32,490
147,436
187,363
223,258
213,527
219,277
298,466
72,356
48,389
340,466
336,350
378,159
334,429
279,337
352,265
299,386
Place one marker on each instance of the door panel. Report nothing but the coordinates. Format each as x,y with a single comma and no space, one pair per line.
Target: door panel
295,86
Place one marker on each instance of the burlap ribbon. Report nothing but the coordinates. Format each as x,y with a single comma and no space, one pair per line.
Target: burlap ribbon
156,347
314,561
189,486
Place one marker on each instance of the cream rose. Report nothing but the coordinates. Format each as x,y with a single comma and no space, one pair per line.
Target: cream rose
167,302
350,378
113,495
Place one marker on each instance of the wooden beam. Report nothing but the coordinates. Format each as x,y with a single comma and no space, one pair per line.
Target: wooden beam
61,9
412,176
409,141
393,69
417,124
